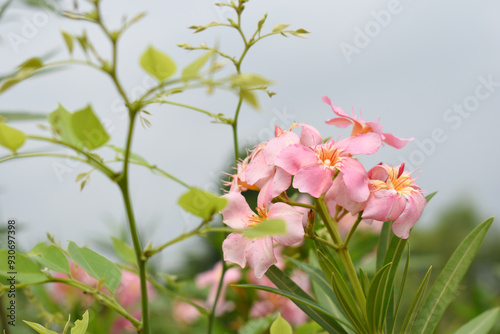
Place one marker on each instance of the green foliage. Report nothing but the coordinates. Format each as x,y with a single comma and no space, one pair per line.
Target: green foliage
157,64
281,326
26,270
81,325
25,70
11,138
68,40
202,203
39,328
96,265
51,257
481,324
266,228
446,286
193,70
416,303
124,251
88,129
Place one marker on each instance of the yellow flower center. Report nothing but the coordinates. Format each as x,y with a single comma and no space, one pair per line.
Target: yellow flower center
258,218
397,180
328,156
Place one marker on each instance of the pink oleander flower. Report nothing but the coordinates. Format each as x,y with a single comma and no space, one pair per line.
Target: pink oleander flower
347,221
211,278
122,325
69,295
315,166
360,126
128,292
185,314
394,196
270,302
259,253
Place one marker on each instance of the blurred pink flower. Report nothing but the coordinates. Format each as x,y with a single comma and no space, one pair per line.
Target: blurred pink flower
270,302
346,223
211,278
360,126
128,292
184,313
394,196
121,325
258,252
69,295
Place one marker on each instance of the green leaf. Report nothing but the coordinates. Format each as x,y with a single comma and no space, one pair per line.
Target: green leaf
68,40
309,328
260,24
192,70
26,70
81,325
250,98
11,138
22,116
412,313
256,326
88,129
481,324
299,33
377,298
430,196
280,326
39,328
158,64
125,251
132,156
50,257
60,121
286,286
446,285
266,228
365,281
280,27
96,265
249,80
202,203
26,270
32,63
385,239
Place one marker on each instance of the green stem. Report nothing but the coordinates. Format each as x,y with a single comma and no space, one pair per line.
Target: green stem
186,106
235,130
343,253
36,154
211,317
293,203
353,229
161,171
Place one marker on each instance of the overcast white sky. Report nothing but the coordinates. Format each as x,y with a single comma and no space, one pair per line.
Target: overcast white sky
429,69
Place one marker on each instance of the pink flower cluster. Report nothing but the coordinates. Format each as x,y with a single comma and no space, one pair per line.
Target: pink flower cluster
325,169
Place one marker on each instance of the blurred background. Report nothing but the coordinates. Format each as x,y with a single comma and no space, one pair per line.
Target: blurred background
429,69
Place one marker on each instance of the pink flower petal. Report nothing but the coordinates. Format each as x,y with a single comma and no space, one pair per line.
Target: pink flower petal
234,248
275,145
378,172
295,157
340,122
309,136
384,205
413,211
314,180
293,219
394,141
260,255
355,179
367,143
237,212
276,184
337,194
257,169
337,110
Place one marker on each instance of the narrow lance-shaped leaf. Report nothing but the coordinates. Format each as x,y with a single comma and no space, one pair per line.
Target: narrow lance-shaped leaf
377,298
39,328
192,70
481,324
412,313
446,285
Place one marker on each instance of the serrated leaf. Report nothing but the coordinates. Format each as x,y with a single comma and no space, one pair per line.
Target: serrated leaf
124,250
81,325
280,27
266,228
26,270
192,70
157,64
88,129
96,265
11,138
446,285
202,203
280,326
51,257
481,324
68,40
39,328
